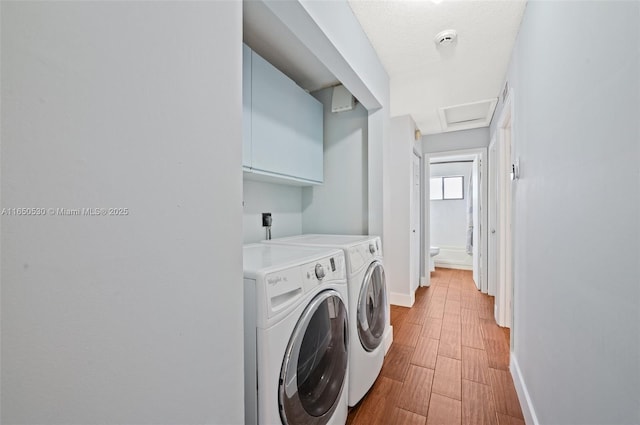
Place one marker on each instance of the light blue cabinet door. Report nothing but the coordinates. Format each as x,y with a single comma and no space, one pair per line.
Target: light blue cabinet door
246,106
310,134
286,125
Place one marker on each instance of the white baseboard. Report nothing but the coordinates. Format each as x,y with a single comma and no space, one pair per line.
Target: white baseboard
528,411
424,281
403,300
388,339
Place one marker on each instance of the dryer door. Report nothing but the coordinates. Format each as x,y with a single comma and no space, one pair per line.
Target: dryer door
372,307
315,363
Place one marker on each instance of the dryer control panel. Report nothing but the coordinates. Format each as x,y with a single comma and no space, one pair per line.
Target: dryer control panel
362,254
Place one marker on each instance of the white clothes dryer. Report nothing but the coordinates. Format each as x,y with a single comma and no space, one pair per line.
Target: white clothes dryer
369,319
296,335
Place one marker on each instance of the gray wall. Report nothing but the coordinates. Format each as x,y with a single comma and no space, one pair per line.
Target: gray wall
136,318
282,201
577,210
456,140
340,204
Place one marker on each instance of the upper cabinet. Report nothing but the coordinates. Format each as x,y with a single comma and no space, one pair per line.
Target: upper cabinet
246,106
283,126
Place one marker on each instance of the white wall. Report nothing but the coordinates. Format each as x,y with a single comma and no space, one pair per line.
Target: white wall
282,201
449,219
130,319
577,211
456,140
397,247
340,204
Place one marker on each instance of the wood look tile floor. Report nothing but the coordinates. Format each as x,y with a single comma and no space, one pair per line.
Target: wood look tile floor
448,364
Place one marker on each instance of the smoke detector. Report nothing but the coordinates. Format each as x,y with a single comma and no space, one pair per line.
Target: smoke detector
446,38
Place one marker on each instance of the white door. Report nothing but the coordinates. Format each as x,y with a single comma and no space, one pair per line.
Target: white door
476,208
504,265
504,297
492,272
415,223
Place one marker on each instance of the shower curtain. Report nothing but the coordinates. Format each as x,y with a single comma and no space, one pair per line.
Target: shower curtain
470,217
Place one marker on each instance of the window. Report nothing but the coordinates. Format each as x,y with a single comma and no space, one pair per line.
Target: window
446,188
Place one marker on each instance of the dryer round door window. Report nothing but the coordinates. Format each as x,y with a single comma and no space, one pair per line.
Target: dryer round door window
315,364
372,310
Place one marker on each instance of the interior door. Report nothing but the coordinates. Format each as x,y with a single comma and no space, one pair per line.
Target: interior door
475,197
504,267
492,272
505,291
415,223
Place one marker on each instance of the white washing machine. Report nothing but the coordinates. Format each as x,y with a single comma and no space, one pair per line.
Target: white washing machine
368,304
296,335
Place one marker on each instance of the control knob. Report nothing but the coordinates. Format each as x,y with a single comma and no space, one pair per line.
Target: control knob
320,271
372,248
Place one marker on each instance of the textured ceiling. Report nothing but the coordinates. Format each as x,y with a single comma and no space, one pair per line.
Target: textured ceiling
425,78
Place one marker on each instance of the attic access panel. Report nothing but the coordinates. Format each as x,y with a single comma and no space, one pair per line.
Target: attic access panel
468,115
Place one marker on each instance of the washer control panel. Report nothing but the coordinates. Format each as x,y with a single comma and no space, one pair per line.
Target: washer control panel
325,270
284,287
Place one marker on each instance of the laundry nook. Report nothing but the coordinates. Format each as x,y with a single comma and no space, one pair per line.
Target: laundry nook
320,212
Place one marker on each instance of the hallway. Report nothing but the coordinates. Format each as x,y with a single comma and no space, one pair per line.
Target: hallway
448,364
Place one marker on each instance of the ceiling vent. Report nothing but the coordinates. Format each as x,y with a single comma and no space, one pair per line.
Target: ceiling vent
468,115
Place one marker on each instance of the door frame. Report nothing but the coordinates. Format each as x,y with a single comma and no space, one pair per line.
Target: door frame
415,257
504,215
425,221
426,230
477,207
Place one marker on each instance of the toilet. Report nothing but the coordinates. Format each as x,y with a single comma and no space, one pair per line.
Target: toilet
433,251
